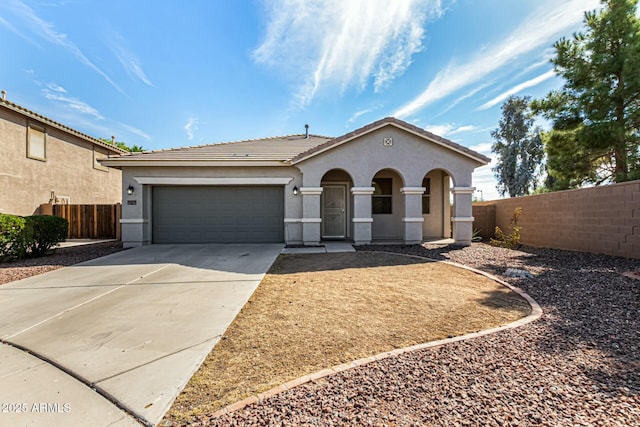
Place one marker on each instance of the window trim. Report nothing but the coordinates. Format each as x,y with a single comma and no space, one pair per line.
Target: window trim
43,130
426,196
382,196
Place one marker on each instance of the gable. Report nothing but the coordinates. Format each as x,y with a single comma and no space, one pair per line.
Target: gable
390,123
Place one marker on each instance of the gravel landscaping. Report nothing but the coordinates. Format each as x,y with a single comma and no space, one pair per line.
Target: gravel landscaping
61,257
577,365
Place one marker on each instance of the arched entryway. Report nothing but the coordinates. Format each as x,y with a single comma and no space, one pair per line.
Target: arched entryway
336,205
387,206
436,205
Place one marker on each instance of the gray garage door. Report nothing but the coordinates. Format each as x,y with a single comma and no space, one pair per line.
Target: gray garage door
218,214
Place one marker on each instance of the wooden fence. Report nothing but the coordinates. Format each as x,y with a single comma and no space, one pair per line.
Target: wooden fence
91,221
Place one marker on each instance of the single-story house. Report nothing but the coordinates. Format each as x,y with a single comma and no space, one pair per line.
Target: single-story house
43,161
389,181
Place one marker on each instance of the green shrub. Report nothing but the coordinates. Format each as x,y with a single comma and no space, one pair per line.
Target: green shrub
11,228
513,239
41,233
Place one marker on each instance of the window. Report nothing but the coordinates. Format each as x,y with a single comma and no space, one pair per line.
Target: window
99,154
36,143
426,196
381,200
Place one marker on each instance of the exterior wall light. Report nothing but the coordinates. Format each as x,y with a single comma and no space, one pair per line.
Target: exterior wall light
130,190
295,191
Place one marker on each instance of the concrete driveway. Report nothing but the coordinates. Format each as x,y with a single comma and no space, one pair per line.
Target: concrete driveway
136,324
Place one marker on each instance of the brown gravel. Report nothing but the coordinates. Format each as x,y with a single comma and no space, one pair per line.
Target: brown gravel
61,257
578,365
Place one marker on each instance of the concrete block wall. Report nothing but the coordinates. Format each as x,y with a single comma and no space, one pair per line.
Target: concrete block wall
604,219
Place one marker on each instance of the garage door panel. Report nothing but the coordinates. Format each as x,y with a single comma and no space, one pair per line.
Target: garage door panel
218,214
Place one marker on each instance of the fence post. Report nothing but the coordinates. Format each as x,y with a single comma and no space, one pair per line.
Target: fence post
95,221
118,215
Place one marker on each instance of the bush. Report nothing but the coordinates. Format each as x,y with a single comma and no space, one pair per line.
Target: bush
41,233
513,239
11,229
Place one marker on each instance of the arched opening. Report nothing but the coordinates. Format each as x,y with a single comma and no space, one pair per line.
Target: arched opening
336,205
387,206
437,205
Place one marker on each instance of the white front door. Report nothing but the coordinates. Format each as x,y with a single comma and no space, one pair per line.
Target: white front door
334,215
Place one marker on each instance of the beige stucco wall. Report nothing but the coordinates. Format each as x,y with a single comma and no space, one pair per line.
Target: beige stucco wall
68,170
340,177
406,161
390,226
410,155
603,219
437,222
137,219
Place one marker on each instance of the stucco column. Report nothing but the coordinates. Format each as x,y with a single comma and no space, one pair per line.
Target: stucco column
413,218
462,216
136,227
362,219
311,218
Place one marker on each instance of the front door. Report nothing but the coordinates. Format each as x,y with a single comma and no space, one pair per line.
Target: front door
334,215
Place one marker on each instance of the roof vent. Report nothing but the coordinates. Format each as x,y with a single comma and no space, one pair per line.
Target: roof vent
4,95
306,131
113,140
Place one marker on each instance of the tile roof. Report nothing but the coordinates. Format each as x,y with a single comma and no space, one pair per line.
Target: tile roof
399,123
281,148
47,121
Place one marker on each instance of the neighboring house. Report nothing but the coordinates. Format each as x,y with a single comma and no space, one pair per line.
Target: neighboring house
389,181
43,161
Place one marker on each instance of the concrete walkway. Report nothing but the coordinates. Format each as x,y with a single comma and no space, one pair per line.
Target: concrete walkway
325,248
82,242
136,324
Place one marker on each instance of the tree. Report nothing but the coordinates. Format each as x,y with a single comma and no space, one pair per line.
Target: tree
122,145
518,147
596,114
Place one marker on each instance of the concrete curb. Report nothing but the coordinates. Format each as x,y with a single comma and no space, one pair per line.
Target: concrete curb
536,313
99,390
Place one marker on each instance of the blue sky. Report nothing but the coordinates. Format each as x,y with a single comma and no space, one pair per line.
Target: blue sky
174,73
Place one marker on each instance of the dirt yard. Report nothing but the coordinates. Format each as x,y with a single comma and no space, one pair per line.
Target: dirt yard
315,311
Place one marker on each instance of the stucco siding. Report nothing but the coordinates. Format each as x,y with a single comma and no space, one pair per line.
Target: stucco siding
68,170
137,216
433,225
411,155
390,226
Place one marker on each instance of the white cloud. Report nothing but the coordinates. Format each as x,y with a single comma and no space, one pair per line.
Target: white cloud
129,61
58,94
485,182
89,118
482,148
135,131
558,18
440,130
13,29
463,97
343,43
359,113
449,129
463,129
56,88
191,127
48,32
524,85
